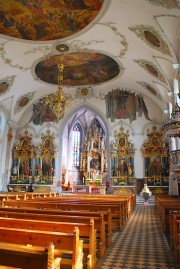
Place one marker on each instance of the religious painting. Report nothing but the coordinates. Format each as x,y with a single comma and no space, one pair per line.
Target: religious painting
122,142
47,143
123,104
150,88
151,68
4,85
95,163
154,168
6,82
156,159
47,19
80,68
42,113
47,168
155,141
122,159
45,160
152,37
23,154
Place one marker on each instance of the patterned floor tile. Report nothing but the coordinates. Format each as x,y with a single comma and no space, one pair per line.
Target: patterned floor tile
141,244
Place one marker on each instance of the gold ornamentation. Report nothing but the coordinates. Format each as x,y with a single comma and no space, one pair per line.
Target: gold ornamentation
58,102
84,91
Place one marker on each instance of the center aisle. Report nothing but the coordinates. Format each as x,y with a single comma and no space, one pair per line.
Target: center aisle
141,244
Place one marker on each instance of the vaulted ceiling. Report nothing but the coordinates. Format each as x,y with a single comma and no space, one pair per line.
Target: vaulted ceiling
108,44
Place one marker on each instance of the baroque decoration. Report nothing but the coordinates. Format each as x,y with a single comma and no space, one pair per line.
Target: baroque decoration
165,3
47,20
58,102
150,88
33,165
23,101
6,83
53,105
81,68
122,159
151,37
93,154
156,159
123,104
45,160
84,92
23,154
123,40
151,68
171,130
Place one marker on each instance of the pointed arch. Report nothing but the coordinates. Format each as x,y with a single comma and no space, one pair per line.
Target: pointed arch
80,118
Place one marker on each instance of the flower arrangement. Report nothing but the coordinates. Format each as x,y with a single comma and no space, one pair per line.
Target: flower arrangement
99,180
122,183
157,183
88,180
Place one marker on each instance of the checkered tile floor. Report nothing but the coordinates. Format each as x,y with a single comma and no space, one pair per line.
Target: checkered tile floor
140,245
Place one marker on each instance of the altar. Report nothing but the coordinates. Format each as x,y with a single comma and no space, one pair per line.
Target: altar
101,189
81,188
122,189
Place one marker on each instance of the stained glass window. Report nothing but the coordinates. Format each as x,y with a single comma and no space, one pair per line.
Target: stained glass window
76,144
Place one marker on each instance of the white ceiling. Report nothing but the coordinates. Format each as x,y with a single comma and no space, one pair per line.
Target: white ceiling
112,33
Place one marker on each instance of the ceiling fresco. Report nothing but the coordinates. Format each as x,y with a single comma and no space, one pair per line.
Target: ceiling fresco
151,37
5,84
42,20
80,68
106,44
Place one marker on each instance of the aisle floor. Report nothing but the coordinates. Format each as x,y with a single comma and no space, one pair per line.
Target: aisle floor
141,244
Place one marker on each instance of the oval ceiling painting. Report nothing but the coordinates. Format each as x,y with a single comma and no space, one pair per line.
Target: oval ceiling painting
41,20
80,68
4,85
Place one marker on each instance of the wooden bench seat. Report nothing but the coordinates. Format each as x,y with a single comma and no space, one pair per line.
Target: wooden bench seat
117,213
86,232
99,224
164,205
64,243
175,240
16,256
165,211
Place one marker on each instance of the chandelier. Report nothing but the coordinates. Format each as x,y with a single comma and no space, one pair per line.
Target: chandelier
58,102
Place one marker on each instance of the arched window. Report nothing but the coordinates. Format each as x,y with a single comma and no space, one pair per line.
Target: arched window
76,142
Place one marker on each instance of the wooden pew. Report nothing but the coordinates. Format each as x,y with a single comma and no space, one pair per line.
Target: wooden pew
65,209
86,232
173,215
175,237
42,215
64,243
119,215
27,257
164,205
